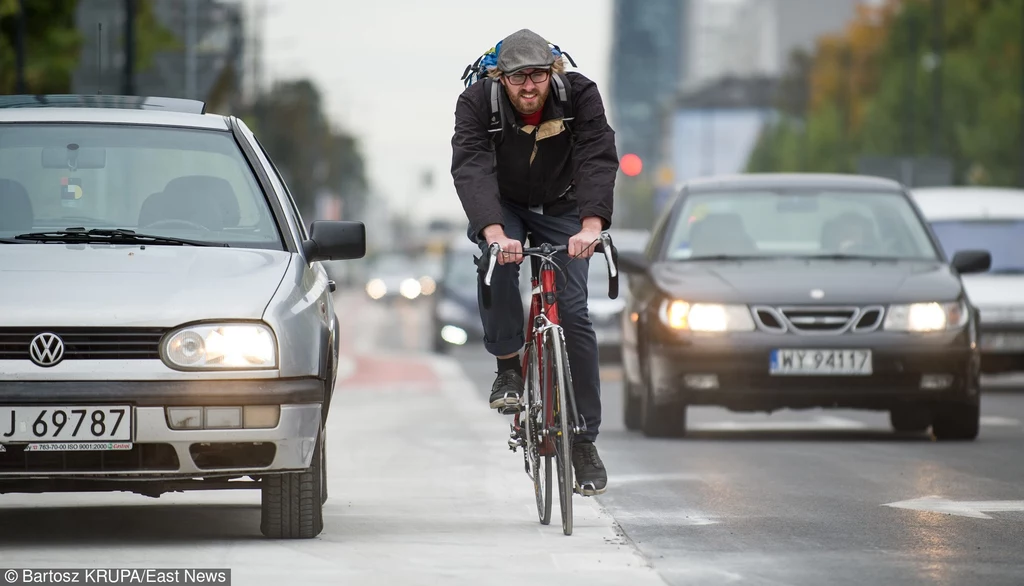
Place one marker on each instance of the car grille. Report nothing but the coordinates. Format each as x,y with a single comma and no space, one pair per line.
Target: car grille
818,319
142,457
87,343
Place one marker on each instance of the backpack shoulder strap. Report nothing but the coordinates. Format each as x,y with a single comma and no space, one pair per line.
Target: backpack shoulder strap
563,90
496,122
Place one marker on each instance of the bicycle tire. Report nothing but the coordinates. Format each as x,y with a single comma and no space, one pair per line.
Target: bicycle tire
538,465
563,447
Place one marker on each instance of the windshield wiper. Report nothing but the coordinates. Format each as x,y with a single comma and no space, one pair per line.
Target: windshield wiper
730,257
1007,271
115,235
841,256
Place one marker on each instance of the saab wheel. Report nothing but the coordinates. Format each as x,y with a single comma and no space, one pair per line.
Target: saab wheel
664,420
292,503
957,421
910,419
632,403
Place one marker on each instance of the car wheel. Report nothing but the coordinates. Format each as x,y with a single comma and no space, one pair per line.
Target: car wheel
632,403
957,421
292,503
910,420
668,420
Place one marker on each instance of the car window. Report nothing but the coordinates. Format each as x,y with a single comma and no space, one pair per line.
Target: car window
1001,238
179,182
801,223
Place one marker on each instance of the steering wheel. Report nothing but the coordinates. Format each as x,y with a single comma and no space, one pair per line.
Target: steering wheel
185,223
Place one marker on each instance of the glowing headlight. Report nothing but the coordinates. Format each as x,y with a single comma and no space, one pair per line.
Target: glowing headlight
706,317
376,289
221,347
410,288
925,317
427,285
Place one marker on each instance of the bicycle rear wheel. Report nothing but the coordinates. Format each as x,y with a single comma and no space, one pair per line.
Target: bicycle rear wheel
559,362
539,465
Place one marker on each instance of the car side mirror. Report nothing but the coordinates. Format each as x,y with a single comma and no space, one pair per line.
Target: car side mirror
632,262
972,261
335,240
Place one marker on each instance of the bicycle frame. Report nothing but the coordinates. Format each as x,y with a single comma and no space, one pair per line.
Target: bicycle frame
542,317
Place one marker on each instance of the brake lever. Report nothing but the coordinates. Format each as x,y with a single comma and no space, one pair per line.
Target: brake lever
494,250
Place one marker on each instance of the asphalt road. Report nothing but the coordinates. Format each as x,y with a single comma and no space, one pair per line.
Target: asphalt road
804,497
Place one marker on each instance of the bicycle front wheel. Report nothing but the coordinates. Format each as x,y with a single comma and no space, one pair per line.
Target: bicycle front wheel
540,466
563,445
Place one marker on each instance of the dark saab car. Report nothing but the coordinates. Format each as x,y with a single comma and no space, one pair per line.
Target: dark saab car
455,312
766,292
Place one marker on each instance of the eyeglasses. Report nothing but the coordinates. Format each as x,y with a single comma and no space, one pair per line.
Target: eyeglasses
538,76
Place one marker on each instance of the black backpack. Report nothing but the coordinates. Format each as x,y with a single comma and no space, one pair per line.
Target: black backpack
477,72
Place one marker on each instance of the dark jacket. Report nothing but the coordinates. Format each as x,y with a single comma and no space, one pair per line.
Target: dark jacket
481,178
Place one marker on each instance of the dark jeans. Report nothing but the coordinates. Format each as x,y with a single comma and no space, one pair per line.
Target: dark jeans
504,321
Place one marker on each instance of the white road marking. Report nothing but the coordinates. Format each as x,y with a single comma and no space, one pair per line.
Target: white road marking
996,421
821,423
974,509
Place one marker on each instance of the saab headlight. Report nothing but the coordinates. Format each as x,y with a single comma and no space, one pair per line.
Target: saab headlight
705,317
221,347
926,317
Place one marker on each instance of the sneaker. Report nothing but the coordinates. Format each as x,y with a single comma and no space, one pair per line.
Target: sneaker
505,392
591,477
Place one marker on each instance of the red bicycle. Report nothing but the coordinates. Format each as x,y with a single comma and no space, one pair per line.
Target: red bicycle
547,420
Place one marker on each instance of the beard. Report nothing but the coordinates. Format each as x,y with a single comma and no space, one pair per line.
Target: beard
529,102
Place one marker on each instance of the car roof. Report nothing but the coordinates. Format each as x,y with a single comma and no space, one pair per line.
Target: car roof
791,180
969,202
109,109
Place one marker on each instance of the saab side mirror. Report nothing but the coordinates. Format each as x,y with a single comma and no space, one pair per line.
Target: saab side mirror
335,240
972,261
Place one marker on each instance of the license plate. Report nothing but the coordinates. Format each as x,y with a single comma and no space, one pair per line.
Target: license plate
820,362
66,424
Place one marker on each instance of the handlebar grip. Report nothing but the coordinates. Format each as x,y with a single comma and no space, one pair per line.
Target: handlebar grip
489,258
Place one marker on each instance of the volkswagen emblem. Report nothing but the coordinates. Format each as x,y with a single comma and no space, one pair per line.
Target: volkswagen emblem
46,349
817,293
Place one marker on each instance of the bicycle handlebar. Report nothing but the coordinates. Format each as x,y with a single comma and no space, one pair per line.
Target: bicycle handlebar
546,251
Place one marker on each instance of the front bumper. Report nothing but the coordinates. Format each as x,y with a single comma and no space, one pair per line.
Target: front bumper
160,452
739,365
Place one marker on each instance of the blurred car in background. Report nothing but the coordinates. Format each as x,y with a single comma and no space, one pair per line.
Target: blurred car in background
992,219
393,276
777,291
455,314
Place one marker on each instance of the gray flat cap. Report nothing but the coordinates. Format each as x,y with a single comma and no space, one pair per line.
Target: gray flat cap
523,49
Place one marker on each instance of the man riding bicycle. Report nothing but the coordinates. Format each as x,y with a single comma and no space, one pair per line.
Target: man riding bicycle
550,177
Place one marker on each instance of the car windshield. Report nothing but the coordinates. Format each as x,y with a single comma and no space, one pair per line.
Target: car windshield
461,271
394,265
1001,238
799,223
171,182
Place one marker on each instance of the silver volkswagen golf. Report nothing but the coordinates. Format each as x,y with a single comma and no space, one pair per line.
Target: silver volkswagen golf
165,321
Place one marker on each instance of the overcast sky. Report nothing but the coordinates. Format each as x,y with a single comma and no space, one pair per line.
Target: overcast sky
390,70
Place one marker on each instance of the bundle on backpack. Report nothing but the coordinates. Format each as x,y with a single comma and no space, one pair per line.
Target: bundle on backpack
479,69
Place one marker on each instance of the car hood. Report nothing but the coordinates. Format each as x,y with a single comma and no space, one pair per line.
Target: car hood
104,285
985,290
778,281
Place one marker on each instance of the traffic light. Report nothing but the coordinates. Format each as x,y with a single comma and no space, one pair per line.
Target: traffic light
631,165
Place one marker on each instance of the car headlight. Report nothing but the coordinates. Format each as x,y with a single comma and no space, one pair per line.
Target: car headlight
410,288
926,317
705,317
376,289
221,347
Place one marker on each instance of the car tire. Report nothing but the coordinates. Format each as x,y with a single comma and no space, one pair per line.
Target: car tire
668,420
632,403
910,419
957,421
292,503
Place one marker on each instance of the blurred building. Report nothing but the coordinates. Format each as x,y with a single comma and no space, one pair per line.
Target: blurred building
207,64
